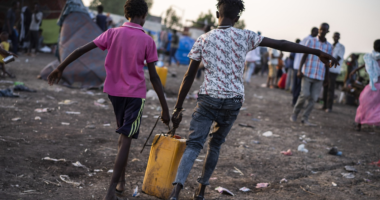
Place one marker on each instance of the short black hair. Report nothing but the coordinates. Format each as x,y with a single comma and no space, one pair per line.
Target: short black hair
325,24
337,33
135,8
376,45
314,28
298,40
230,8
100,8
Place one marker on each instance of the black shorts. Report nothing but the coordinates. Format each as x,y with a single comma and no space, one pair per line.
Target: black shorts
128,113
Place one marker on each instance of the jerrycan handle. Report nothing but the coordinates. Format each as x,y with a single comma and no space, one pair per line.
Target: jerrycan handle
151,132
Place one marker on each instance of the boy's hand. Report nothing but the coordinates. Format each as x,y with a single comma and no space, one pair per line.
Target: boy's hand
177,117
325,58
165,117
352,74
54,77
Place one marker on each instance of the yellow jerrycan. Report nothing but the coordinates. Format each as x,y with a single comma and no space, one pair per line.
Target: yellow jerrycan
165,154
163,74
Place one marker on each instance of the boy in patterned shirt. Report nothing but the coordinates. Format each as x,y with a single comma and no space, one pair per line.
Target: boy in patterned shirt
221,95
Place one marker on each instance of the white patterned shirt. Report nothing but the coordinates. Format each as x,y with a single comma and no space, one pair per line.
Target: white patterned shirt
223,54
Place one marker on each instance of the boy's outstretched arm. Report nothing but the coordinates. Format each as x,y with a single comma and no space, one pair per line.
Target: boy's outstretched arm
284,45
56,75
187,82
157,86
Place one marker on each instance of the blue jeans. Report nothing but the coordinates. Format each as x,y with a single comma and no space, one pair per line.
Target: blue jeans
173,51
209,110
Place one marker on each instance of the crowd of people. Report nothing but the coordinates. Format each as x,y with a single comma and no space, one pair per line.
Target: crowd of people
21,30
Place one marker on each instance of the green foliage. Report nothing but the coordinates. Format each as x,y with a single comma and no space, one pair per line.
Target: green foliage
114,6
172,20
240,24
203,17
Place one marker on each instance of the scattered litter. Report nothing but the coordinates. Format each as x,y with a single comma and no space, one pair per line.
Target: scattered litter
135,192
369,173
238,171
30,192
101,100
98,170
155,117
302,148
16,119
198,160
43,110
224,191
53,183
37,118
100,105
348,175
213,178
244,189
287,153
246,125
106,125
243,108
350,169
248,114
151,94
135,159
334,184
375,163
72,113
110,171
259,97
8,93
66,102
67,179
268,134
145,116
262,185
65,124
255,142
78,164
53,159
90,126
50,97
256,120
334,151
283,181
314,172
366,180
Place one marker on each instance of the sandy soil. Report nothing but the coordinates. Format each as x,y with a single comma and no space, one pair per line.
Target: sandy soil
23,144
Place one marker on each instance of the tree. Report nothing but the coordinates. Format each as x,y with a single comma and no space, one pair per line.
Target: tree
114,6
240,24
204,18
171,19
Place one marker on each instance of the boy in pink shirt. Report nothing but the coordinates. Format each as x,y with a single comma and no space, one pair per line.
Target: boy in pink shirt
128,47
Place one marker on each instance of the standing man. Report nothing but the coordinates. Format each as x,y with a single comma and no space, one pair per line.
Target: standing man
174,47
329,90
314,73
297,62
34,29
252,60
101,20
289,63
10,23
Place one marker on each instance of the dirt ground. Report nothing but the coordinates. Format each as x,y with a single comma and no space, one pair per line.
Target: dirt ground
23,144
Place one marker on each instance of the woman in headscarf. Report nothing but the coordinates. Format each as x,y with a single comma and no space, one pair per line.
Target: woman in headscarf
368,111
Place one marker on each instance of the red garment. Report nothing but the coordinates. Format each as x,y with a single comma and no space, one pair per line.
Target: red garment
282,82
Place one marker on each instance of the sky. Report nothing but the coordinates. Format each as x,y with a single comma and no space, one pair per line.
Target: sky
357,21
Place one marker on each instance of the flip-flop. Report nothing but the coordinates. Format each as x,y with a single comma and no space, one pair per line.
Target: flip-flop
119,191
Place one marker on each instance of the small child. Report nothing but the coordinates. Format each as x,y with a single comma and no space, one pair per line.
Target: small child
5,45
128,47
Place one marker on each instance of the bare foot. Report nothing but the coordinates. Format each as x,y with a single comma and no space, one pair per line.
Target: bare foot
120,187
111,195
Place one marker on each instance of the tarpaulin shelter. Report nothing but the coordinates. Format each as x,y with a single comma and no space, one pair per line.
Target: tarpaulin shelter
77,29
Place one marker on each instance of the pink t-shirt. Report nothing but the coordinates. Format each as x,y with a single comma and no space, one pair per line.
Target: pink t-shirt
128,46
